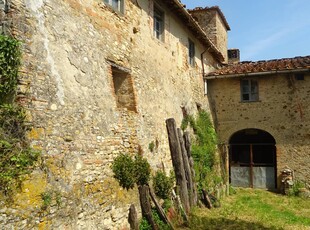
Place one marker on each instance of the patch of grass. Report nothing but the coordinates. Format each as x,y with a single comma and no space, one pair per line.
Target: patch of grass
255,209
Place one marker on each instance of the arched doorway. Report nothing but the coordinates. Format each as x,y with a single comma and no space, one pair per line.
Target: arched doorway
252,158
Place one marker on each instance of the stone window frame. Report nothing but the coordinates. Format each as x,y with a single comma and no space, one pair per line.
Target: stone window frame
117,5
249,90
158,23
191,52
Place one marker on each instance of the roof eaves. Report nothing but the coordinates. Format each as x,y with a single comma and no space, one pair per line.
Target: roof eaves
194,27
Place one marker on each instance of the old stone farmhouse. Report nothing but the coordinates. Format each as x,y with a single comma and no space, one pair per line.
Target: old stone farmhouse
261,111
100,78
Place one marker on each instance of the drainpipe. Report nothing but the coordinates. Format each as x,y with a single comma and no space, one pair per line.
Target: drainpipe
203,71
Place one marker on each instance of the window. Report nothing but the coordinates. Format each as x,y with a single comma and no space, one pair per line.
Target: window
158,24
117,5
191,52
123,89
249,90
299,77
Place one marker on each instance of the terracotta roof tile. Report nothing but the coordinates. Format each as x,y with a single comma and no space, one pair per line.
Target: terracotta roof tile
248,67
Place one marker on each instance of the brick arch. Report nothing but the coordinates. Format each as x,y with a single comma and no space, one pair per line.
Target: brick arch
252,159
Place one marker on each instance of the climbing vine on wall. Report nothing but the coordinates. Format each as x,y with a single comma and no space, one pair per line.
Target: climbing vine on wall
16,156
203,146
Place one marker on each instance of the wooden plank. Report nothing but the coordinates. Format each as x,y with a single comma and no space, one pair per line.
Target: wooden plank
177,161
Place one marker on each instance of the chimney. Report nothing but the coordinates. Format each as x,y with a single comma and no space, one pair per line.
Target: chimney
214,24
233,56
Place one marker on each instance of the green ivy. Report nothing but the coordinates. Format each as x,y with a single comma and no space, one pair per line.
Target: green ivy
16,156
10,59
203,146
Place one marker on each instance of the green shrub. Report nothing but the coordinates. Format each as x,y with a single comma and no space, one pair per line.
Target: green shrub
203,146
142,170
144,224
162,184
123,169
129,171
295,190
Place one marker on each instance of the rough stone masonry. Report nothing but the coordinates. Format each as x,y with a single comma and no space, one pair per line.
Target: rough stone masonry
95,83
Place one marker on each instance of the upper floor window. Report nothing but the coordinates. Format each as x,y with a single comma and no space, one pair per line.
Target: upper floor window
191,52
158,23
249,90
117,5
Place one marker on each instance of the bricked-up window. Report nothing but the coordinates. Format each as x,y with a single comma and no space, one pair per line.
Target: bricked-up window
249,90
158,23
117,5
123,88
191,52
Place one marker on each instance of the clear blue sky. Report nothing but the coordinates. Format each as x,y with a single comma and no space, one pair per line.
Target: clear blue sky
265,29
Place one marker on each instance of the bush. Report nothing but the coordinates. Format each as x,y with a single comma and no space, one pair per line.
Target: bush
123,169
142,170
162,185
203,146
129,171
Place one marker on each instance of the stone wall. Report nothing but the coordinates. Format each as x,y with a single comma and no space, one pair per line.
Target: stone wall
72,52
212,23
282,110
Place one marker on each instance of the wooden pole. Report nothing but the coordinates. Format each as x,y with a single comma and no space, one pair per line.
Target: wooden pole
187,142
160,211
251,166
187,170
145,203
133,218
177,162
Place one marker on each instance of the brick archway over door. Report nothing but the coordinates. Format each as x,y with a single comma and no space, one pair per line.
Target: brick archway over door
252,159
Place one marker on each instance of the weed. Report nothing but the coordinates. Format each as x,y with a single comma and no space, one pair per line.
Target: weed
47,200
151,146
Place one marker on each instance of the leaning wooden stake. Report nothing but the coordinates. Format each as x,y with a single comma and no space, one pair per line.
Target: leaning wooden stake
146,205
133,218
177,162
187,169
187,142
160,211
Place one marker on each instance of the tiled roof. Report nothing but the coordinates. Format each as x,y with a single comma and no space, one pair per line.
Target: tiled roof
213,8
248,68
178,8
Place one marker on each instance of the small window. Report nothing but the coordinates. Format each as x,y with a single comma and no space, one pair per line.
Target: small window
299,77
158,23
191,52
117,5
123,88
249,90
